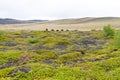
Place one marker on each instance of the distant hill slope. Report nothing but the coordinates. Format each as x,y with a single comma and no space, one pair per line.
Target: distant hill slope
14,21
85,20
81,24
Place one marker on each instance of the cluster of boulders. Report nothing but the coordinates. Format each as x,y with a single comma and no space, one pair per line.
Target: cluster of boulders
56,30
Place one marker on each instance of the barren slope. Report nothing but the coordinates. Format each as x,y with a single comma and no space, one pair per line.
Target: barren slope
83,24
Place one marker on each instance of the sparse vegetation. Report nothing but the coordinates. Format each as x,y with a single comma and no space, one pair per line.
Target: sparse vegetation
60,55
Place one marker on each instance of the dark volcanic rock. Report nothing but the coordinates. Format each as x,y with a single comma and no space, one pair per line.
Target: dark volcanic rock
96,59
3,49
38,47
22,69
9,64
25,70
8,43
60,46
90,43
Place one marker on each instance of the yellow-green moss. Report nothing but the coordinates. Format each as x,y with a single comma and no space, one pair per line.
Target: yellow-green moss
5,56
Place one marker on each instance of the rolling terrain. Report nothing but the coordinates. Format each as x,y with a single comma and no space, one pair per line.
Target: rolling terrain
82,24
85,20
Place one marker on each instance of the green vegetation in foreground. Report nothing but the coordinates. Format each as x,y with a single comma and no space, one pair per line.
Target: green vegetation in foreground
61,55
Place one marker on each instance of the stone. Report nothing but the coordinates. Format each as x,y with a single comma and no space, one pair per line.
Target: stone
22,69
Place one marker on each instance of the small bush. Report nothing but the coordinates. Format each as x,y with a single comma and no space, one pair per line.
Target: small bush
57,30
67,30
33,40
108,32
46,29
52,30
62,29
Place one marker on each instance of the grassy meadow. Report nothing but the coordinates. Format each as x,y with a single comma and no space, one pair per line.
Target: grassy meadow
60,55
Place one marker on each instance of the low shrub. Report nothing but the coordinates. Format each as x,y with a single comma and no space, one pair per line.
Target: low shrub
108,32
33,40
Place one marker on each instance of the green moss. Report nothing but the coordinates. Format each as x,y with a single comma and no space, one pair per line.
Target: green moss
70,56
48,54
40,71
2,47
116,41
109,64
52,41
115,73
3,36
67,73
4,72
8,55
42,55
